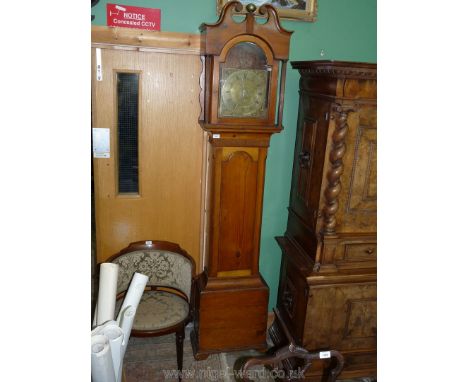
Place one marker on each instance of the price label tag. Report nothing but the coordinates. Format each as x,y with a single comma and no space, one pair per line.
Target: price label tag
324,354
216,136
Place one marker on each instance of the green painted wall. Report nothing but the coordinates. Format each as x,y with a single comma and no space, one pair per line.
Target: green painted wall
345,30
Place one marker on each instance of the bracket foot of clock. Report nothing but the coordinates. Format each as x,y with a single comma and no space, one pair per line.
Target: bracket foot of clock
197,353
231,315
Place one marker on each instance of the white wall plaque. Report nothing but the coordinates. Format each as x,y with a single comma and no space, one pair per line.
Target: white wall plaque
101,142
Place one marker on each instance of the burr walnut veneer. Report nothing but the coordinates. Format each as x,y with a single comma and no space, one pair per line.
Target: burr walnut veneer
327,289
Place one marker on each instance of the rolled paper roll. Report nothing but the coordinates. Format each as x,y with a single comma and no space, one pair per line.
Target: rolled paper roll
108,275
134,293
115,336
126,324
94,324
102,368
98,329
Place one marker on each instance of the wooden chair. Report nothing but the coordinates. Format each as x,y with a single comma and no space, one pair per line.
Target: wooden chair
293,351
166,304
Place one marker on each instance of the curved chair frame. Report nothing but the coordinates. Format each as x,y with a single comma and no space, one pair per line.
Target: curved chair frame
179,328
293,351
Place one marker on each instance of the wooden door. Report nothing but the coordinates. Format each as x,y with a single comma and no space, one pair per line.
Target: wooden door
309,154
166,169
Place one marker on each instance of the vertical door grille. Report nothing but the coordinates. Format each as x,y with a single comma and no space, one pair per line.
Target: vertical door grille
127,130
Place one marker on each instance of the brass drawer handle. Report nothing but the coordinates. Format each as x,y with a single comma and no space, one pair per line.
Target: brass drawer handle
370,250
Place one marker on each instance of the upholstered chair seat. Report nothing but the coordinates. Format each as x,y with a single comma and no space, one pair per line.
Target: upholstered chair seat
159,310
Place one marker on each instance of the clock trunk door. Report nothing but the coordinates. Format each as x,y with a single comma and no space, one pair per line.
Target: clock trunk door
238,190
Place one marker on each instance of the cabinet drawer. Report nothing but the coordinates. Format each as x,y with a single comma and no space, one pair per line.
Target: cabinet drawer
356,252
360,252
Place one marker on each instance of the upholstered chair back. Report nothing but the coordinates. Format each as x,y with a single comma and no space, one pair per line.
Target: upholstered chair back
164,268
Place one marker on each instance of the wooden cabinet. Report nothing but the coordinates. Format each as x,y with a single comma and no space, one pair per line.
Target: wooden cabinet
327,290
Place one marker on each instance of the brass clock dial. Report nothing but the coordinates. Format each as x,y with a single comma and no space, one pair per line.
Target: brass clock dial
243,93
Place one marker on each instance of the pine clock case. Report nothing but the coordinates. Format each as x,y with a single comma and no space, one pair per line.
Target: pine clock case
230,296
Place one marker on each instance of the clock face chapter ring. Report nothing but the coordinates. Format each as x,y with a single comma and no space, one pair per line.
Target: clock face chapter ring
243,93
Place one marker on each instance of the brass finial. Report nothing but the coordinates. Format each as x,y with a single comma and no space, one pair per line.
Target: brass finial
251,8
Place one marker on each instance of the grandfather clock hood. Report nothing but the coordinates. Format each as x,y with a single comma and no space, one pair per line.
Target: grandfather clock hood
244,69
215,36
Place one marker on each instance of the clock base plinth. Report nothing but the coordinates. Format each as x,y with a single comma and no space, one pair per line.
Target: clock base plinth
231,315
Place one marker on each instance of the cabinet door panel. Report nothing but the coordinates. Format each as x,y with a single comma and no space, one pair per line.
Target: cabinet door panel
342,317
309,155
292,298
358,204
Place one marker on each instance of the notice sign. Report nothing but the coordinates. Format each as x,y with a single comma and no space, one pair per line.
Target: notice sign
133,17
101,142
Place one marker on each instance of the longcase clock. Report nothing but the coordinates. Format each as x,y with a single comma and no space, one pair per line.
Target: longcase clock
244,66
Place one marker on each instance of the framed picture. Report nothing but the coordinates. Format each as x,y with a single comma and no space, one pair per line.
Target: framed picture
305,10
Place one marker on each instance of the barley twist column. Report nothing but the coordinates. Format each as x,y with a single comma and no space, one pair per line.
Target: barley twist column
337,152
